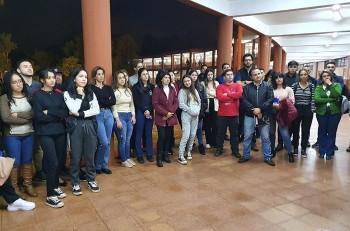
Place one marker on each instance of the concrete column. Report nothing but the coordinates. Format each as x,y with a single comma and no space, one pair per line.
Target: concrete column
224,41
284,60
264,52
277,58
237,48
97,36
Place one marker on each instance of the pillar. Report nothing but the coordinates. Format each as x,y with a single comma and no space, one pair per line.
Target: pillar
224,41
97,36
284,60
237,48
277,57
264,52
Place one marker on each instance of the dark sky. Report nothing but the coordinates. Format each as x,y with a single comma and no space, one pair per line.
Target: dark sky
48,24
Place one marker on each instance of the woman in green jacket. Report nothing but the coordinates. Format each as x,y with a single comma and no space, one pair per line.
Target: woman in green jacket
328,113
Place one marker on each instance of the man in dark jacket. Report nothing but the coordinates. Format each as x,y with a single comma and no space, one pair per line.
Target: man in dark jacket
257,101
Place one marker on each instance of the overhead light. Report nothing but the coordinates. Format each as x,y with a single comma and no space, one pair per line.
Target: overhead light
336,7
327,45
337,16
334,34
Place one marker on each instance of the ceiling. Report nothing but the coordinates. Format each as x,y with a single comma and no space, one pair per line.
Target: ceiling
303,28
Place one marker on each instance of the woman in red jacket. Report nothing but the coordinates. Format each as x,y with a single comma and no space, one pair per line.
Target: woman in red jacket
165,103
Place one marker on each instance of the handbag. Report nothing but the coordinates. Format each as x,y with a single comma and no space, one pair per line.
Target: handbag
6,165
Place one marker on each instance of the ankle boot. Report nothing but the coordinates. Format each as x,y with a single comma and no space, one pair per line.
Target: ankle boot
14,182
291,157
166,157
159,160
27,180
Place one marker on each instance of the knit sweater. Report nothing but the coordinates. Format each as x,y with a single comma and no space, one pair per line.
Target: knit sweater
20,125
124,102
333,100
105,96
51,123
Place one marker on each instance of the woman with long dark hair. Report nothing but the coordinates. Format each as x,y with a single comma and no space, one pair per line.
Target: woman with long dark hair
165,103
142,93
210,115
124,114
83,108
18,134
50,111
328,113
190,103
106,99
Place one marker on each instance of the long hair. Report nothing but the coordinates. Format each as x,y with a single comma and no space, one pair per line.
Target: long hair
7,89
116,85
273,80
72,88
190,91
94,73
139,73
206,81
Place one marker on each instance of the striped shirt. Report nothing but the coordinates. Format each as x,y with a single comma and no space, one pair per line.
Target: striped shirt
304,97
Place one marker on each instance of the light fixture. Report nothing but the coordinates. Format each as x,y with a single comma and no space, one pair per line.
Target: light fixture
336,13
334,34
336,7
327,45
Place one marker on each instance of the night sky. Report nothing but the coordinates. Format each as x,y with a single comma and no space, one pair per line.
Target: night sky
47,25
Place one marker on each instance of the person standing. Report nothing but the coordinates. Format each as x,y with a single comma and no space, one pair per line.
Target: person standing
18,133
83,107
228,95
165,103
50,111
190,103
106,99
257,100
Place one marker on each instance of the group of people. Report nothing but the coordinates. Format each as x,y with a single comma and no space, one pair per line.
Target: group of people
83,116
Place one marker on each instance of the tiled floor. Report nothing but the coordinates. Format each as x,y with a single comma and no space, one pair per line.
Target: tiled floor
207,194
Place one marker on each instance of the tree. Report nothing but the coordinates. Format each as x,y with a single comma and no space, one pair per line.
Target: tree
6,46
68,64
43,59
74,48
125,51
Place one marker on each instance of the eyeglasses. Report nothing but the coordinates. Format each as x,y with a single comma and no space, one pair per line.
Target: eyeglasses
16,82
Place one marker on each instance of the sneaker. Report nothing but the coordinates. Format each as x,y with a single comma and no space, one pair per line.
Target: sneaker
207,145
54,202
127,164
242,159
20,204
269,162
140,160
76,190
131,162
59,193
189,156
303,154
182,160
92,185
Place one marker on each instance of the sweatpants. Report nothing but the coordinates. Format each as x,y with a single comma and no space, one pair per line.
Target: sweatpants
189,130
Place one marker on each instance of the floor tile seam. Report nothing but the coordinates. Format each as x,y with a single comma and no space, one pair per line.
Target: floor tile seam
98,214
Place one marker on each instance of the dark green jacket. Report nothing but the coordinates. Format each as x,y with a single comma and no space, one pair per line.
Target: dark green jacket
321,99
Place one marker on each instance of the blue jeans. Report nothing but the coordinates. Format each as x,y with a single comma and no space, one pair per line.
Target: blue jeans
105,123
249,128
20,148
200,132
124,134
327,130
284,131
142,123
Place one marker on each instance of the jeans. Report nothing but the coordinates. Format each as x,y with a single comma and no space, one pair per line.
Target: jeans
20,148
189,129
83,142
200,132
283,131
232,123
304,119
124,134
249,128
143,125
54,147
327,130
211,127
105,123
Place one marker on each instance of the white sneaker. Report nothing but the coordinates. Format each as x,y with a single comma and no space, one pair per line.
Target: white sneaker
54,202
131,162
127,164
20,204
207,145
189,156
182,160
76,190
59,193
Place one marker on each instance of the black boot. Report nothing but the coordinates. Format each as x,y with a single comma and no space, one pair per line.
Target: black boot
159,160
166,157
218,152
291,157
273,154
201,149
279,147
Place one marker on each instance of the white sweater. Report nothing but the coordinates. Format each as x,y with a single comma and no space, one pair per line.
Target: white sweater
75,104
